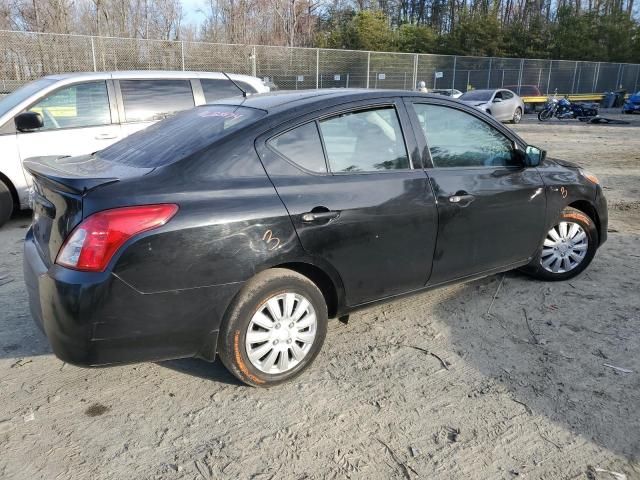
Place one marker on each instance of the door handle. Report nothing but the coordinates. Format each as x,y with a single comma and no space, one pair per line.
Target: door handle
311,217
466,198
106,136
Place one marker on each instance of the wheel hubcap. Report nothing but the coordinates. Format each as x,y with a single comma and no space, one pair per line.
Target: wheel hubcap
564,248
281,333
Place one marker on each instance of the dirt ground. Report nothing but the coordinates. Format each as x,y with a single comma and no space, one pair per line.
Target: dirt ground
497,379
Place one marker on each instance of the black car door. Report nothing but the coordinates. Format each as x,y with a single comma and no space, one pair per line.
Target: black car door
358,197
491,208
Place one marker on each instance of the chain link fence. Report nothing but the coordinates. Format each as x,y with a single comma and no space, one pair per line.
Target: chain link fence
25,56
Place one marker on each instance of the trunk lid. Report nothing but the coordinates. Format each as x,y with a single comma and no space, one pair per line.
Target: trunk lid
59,186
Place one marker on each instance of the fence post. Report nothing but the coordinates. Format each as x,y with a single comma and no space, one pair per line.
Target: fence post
93,55
520,74
415,71
549,76
489,73
254,70
595,78
182,53
368,67
573,81
317,67
453,78
635,85
619,77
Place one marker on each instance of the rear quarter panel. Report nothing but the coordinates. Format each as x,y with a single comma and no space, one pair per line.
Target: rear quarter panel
230,224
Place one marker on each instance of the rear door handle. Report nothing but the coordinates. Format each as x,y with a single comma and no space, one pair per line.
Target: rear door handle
466,198
106,136
311,217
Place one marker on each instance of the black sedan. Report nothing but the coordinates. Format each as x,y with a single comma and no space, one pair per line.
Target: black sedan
239,228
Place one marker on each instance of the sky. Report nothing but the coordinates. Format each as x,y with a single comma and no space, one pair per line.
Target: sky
191,13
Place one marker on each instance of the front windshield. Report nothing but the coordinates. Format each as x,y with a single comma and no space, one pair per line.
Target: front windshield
16,98
478,95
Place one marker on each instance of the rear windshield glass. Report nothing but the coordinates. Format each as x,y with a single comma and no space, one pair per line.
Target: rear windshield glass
478,95
177,137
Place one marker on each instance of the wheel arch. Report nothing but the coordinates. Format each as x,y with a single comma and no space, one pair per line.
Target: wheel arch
590,210
330,287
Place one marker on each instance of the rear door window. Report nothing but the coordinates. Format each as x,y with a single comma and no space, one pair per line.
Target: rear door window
365,141
80,105
150,100
178,137
214,89
302,146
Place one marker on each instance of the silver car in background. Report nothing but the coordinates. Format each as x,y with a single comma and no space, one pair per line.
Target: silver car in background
502,104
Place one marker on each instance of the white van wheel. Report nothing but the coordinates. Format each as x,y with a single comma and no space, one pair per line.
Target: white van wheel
6,203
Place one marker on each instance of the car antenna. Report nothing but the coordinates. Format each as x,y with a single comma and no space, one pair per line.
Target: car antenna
244,92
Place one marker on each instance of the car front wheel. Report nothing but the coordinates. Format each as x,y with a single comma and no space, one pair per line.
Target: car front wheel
568,247
517,115
274,329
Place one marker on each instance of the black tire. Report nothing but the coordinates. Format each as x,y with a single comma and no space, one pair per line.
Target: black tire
252,297
544,115
517,116
570,215
6,203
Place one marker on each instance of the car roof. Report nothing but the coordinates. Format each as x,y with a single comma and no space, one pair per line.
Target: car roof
142,74
283,99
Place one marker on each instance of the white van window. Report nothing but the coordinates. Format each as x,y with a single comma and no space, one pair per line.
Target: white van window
80,105
149,100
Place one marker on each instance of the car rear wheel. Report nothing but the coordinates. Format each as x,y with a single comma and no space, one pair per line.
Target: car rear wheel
274,329
568,247
517,115
6,203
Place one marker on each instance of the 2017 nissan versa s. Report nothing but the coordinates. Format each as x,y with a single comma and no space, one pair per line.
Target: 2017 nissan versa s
239,228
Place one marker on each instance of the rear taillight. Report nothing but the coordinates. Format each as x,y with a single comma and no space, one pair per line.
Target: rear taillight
93,243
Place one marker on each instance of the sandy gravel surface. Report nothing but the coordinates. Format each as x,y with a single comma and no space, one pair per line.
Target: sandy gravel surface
443,385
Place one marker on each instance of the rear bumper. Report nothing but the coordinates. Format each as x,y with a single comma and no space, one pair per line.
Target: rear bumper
95,319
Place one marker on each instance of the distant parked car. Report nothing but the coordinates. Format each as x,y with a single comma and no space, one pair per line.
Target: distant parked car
503,105
632,104
527,91
449,92
80,113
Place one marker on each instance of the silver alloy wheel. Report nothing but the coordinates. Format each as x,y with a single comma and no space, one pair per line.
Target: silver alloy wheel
564,248
517,116
281,333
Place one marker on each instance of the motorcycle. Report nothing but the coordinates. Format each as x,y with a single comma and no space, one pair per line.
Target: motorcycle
563,109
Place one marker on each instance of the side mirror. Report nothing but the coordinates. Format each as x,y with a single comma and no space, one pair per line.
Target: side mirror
497,100
534,156
28,121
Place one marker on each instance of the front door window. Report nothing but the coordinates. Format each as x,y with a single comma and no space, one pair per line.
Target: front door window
81,105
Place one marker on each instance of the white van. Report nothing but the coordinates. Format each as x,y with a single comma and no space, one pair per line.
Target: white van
85,112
